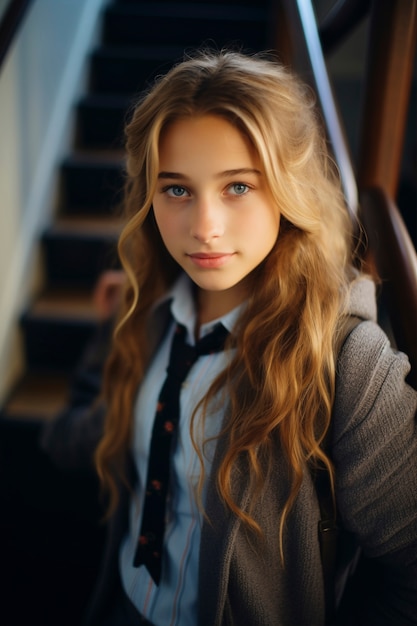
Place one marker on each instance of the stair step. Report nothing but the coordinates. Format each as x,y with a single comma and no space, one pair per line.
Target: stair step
38,396
57,328
186,23
139,41
236,3
91,185
78,249
65,304
101,120
128,69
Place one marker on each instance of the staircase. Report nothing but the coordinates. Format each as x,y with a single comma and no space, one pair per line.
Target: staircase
51,538
139,40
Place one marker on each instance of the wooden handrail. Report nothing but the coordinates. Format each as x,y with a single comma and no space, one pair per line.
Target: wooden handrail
10,24
391,55
390,58
307,56
396,263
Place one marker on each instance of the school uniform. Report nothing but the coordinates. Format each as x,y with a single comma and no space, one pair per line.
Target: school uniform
240,578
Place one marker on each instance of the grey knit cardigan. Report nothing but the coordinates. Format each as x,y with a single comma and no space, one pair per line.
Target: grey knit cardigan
242,579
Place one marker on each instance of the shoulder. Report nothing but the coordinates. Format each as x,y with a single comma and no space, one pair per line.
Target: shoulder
374,443
370,376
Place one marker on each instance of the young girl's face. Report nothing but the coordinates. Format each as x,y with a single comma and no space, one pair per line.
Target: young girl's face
213,208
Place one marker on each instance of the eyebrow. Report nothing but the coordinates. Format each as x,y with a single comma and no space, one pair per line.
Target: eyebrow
225,174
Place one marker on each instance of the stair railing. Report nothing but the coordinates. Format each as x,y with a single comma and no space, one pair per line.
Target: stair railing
391,54
391,58
305,51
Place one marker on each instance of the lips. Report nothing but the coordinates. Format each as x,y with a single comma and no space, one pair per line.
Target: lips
210,260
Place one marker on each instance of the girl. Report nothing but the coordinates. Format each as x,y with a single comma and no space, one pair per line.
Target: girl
235,219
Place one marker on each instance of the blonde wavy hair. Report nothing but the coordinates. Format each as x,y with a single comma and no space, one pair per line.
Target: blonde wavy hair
281,381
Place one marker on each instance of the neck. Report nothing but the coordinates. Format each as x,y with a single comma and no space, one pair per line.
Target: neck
214,304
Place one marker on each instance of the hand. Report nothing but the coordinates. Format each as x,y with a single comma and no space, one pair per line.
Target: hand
107,293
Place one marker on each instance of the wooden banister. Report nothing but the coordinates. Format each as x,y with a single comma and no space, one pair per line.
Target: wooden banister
10,24
391,56
396,263
389,66
308,60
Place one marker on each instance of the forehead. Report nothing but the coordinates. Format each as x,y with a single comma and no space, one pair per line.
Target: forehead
205,137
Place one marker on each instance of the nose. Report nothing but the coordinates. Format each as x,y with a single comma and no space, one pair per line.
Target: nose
207,221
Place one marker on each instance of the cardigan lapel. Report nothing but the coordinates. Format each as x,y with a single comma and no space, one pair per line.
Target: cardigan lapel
219,532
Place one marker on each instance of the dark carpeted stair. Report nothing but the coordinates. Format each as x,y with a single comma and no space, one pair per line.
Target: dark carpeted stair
139,40
51,536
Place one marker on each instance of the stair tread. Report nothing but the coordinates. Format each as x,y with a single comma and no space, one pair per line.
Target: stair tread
65,303
190,10
106,100
85,225
38,396
92,158
235,3
113,155
191,24
138,52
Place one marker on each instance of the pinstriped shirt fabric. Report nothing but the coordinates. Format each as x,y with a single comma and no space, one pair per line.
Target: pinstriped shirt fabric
174,601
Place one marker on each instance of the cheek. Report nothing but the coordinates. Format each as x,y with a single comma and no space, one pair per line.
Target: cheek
161,218
263,224
168,226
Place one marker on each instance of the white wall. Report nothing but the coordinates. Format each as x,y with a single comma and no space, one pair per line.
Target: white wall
39,82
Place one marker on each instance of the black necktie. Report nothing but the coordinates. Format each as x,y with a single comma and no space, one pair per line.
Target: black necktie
182,358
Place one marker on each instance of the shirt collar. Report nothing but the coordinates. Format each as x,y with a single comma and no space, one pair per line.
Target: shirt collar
182,306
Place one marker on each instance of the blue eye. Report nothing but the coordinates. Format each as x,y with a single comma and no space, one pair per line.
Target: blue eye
239,189
176,191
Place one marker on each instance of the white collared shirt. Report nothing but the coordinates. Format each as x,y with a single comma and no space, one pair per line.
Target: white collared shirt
174,601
